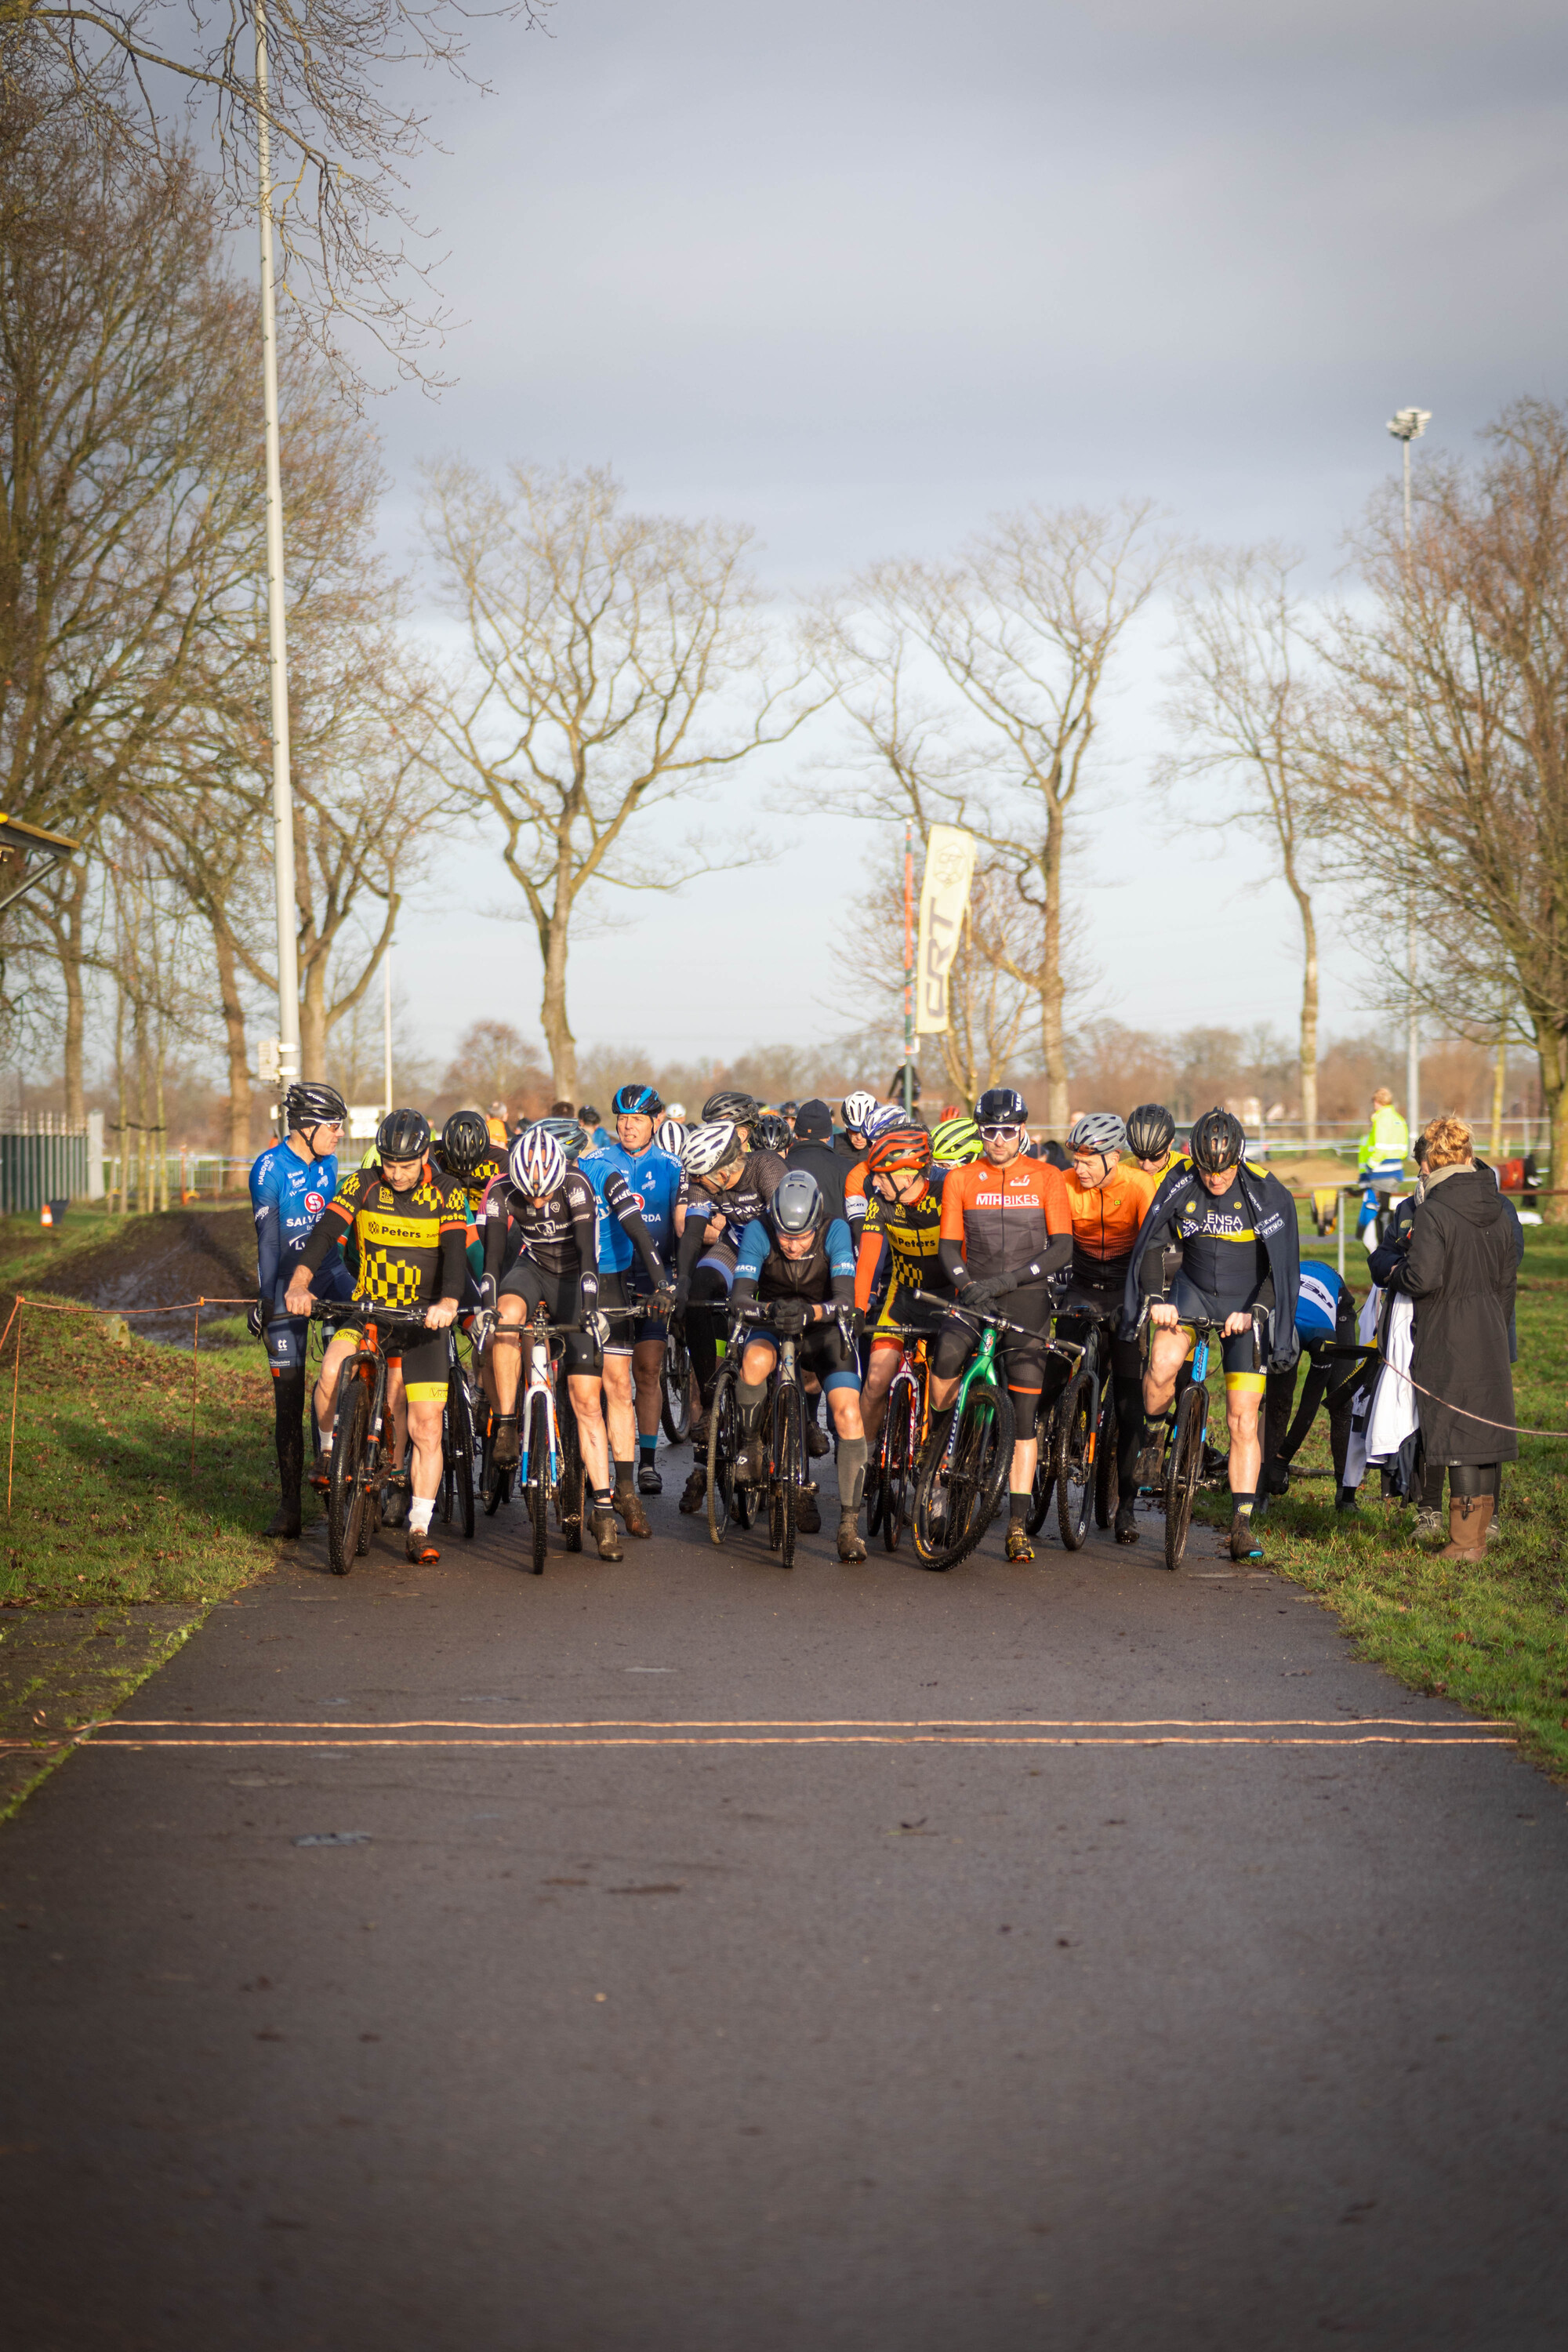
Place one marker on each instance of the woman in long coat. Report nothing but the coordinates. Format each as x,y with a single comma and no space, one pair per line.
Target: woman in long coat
1460,1272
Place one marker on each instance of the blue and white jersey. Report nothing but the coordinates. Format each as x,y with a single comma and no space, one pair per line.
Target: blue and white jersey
1319,1304
288,1195
657,1182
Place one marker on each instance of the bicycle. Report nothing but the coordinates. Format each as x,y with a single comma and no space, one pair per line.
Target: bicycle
360,1458
890,1474
549,1471
1084,1448
1183,1469
675,1384
961,1486
457,1442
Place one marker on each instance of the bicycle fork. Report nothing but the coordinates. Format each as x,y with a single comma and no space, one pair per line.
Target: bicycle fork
539,1385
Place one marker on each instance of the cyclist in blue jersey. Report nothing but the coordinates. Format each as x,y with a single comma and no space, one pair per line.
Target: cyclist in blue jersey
1337,1374
291,1185
634,1355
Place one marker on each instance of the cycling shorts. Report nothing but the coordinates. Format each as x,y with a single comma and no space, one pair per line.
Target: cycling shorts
424,1367
560,1294
1024,1359
820,1349
1235,1353
903,1306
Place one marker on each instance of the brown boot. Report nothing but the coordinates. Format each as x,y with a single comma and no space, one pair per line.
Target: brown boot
1469,1516
631,1510
606,1534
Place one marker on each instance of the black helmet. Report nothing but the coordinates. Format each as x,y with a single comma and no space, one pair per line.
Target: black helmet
308,1104
771,1132
465,1142
1218,1141
796,1206
588,1116
1150,1131
1001,1107
635,1102
403,1135
733,1103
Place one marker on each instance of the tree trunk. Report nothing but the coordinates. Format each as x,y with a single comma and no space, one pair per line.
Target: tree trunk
68,942
121,1170
1500,1088
1053,990
1552,1049
233,1038
314,1021
1308,1006
553,1018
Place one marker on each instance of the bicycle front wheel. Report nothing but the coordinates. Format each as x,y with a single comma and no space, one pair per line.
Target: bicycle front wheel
1185,1468
976,1479
1043,1484
537,1481
1107,1480
457,1446
675,1390
347,1502
898,1453
723,1445
1074,1460
788,1470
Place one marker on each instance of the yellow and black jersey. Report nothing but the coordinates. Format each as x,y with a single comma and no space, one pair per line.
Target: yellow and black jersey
408,1247
911,1231
471,1189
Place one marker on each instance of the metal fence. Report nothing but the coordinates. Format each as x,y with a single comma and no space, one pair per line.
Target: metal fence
43,1159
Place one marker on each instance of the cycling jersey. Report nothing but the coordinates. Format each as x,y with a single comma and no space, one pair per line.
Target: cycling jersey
1174,1159
1010,1221
473,1188
911,1230
288,1199
1324,1304
655,1183
1237,1250
855,1192
558,1234
742,1205
1105,1221
409,1244
1221,1254
826,1272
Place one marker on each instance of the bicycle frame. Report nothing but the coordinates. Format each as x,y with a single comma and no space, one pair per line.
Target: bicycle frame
539,1381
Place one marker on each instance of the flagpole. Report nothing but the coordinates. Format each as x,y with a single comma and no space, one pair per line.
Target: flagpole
276,649
909,970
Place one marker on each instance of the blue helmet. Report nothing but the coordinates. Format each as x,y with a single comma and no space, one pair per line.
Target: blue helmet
639,1102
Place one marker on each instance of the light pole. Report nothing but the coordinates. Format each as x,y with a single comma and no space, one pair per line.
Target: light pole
276,649
1407,425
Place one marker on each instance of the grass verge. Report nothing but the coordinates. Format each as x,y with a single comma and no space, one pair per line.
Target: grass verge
1494,1637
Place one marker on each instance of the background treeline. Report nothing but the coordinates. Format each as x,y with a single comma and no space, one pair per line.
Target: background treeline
1408,745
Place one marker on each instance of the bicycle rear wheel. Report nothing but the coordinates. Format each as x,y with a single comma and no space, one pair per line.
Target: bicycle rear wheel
1074,1464
458,1453
570,1498
976,1479
723,1445
1106,1479
538,1482
347,1502
1186,1467
788,1468
675,1390
898,1462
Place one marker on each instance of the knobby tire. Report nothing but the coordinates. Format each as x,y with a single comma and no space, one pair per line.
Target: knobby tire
1185,1469
675,1390
537,1481
347,1502
1043,1484
788,1469
897,1451
1074,1464
722,1436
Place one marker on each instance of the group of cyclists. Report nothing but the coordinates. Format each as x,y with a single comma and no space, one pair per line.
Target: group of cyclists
852,1239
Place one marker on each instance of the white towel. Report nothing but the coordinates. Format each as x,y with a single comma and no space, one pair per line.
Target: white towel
1393,1401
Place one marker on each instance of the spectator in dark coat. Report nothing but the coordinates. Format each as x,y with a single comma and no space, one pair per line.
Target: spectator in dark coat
812,1149
1460,1272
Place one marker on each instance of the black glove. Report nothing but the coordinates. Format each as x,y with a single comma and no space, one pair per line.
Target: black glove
854,1321
662,1303
789,1318
986,1291
682,1293
255,1321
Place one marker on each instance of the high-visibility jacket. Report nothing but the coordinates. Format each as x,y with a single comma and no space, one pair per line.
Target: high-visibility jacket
1386,1141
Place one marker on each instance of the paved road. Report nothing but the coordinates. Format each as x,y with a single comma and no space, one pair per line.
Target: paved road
861,1960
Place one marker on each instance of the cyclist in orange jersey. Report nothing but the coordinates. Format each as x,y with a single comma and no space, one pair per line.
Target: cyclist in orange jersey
1108,1199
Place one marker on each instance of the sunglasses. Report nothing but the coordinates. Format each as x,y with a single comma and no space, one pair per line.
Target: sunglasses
1004,1134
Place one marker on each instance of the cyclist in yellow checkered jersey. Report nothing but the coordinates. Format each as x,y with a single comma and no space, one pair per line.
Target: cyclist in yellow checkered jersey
407,1227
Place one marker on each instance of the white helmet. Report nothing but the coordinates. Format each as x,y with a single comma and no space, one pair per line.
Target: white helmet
859,1110
710,1147
671,1136
538,1164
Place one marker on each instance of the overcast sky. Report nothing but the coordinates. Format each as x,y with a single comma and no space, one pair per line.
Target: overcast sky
861,274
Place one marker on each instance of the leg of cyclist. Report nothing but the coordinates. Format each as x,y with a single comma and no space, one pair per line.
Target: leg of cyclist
521,1290
705,1316
1244,1394
620,1412
751,1395
648,1369
338,1352
885,1358
1127,1385
397,1411
584,1390
1027,1362
843,1405
421,1377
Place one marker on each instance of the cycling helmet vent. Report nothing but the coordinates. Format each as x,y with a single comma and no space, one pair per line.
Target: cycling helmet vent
635,1102
730,1103
858,1110
1001,1107
1218,1141
715,1144
899,1148
567,1133
671,1136
466,1141
796,1206
403,1135
955,1141
1151,1131
771,1132
1097,1130
537,1164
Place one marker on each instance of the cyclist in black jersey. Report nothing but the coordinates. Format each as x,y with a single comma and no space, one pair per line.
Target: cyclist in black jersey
730,1188
541,1230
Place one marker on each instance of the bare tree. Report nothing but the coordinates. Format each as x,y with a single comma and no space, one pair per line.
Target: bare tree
1456,700
615,662
1249,710
977,688
342,132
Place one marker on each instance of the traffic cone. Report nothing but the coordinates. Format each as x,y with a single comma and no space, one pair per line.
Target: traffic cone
48,1217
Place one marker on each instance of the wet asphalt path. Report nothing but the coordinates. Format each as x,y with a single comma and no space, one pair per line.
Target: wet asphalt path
725,1958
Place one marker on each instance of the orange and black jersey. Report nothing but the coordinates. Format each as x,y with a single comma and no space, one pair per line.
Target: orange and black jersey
910,1232
1011,1221
1106,1220
408,1247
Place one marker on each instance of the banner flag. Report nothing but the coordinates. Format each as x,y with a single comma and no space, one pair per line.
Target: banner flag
945,895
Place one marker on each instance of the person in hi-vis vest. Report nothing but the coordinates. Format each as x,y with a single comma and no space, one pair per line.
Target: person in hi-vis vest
1381,1156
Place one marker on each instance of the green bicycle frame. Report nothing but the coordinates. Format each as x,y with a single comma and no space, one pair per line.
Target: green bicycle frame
979,1367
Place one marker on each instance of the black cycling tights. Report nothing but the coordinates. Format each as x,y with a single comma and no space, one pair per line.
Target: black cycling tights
289,1432
707,1312
1464,1479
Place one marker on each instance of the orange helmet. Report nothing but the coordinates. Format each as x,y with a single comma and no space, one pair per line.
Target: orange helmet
899,1148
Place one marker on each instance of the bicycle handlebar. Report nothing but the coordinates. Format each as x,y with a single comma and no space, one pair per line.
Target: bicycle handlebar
364,1310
